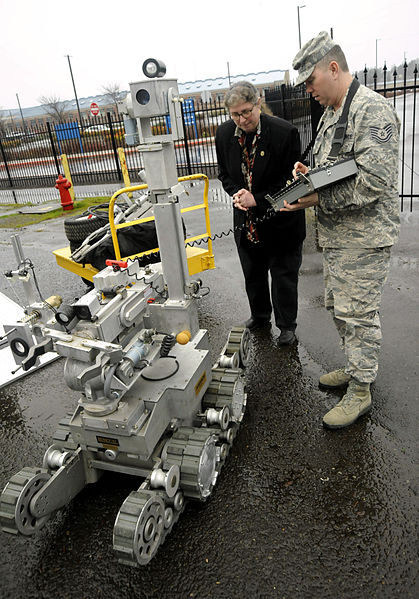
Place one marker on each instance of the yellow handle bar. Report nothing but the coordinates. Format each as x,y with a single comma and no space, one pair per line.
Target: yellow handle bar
204,205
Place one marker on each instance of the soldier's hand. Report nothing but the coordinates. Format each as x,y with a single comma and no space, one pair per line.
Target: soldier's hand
299,167
302,203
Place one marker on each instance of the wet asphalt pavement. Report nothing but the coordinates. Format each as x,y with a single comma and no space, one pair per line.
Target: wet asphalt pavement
299,511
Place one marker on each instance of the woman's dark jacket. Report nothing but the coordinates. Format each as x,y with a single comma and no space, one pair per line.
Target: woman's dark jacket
277,150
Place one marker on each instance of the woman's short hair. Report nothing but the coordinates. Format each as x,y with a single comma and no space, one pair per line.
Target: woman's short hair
241,92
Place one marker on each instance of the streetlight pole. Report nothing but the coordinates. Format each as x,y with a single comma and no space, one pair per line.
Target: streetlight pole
75,93
299,31
228,74
21,114
376,53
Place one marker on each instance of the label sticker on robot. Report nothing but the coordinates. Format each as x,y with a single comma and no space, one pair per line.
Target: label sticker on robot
200,383
107,442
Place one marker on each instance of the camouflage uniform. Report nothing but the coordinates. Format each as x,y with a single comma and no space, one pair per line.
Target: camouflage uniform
358,221
358,218
362,211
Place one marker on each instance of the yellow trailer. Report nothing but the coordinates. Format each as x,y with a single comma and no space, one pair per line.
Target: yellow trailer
199,259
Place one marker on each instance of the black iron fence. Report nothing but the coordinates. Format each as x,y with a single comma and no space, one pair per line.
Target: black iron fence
295,105
402,89
31,158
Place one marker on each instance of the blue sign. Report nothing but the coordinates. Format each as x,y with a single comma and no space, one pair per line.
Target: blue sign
188,115
68,131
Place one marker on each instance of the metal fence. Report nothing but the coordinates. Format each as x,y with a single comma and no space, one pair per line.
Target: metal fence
295,105
402,89
31,159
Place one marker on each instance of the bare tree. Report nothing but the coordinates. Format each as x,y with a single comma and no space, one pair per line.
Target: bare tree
3,125
54,107
113,93
399,69
8,127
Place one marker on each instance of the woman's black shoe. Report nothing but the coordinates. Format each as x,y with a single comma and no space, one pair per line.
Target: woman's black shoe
287,337
254,323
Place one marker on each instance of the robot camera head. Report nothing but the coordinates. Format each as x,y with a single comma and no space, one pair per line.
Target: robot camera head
154,68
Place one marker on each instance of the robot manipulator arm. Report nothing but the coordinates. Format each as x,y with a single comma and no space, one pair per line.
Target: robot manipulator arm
25,348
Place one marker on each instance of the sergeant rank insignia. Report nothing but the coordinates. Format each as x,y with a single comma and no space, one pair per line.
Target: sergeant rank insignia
382,134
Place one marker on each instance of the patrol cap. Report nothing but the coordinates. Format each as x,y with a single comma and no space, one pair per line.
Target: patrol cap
310,54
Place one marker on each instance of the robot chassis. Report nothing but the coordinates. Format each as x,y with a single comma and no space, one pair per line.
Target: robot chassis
151,404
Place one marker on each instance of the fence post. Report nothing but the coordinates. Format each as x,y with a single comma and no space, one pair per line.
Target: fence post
404,131
53,148
115,151
394,86
124,168
415,73
68,175
365,75
316,112
185,141
6,167
284,105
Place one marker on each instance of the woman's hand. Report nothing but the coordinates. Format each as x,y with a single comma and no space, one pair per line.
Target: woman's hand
243,200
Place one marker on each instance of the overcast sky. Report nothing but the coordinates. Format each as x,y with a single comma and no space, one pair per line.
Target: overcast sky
108,41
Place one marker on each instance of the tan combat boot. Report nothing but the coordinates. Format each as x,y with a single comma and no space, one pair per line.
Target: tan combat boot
334,380
355,402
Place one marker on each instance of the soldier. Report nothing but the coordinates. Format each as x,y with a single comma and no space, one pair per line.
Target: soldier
358,217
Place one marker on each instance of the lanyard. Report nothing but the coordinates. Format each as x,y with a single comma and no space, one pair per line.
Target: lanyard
340,128
248,158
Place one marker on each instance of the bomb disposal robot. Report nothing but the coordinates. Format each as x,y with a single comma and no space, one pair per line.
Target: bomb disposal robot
151,404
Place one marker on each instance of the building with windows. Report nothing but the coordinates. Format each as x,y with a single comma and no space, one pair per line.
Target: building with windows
214,89
38,116
204,90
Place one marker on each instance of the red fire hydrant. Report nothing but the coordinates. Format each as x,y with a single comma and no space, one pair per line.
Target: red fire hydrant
63,185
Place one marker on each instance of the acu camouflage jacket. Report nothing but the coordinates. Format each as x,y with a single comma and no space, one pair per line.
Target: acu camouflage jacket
362,211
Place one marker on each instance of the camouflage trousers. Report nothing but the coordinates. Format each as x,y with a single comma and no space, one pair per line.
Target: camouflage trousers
354,280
